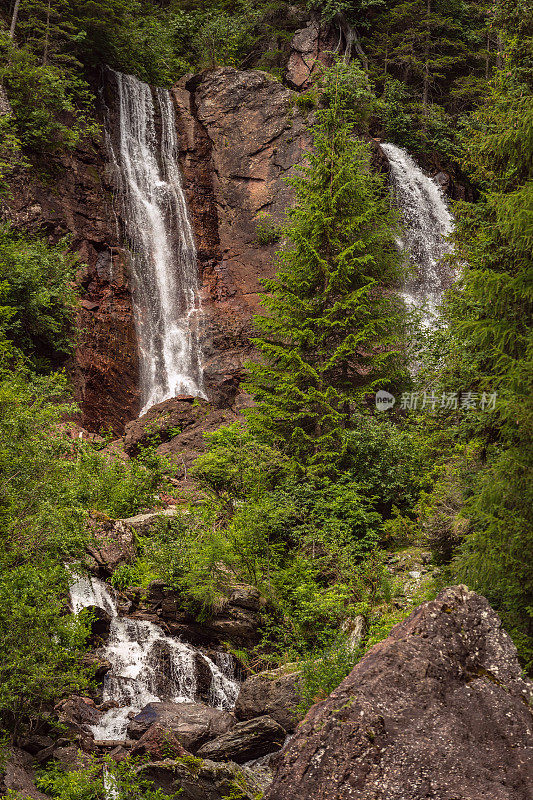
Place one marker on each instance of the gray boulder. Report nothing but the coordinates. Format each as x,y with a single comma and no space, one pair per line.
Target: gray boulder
246,741
273,693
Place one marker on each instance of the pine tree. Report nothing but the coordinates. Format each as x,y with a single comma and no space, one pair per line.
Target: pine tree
491,325
332,330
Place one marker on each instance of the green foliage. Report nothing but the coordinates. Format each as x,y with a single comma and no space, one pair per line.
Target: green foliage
331,332
96,781
237,465
11,156
36,282
325,670
51,103
265,231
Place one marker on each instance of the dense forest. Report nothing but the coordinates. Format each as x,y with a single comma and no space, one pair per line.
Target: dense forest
311,493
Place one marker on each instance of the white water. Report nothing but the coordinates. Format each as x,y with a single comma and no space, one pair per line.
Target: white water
153,211
147,666
428,222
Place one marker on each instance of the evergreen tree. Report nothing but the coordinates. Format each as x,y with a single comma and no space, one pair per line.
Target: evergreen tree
332,331
491,328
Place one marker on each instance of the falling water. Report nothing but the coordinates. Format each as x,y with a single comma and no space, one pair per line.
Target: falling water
428,222
153,211
147,666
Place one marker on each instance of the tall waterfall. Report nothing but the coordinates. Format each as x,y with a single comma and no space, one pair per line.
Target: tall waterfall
427,224
147,666
153,211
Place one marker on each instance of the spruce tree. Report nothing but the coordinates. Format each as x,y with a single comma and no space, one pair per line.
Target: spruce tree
332,330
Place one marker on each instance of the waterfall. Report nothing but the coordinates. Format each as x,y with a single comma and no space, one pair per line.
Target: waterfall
427,224
147,666
153,211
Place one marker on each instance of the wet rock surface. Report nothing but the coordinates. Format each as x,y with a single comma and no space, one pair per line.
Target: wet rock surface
190,723
245,741
240,134
437,710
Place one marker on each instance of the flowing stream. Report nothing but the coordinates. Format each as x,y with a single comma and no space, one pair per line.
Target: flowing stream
152,207
147,666
428,222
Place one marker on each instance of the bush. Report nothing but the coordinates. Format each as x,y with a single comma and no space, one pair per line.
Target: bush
101,779
36,283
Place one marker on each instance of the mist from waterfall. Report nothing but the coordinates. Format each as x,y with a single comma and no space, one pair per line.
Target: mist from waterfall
147,666
153,212
427,223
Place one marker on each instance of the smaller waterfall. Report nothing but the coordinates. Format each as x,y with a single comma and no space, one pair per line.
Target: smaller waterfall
147,666
224,685
428,222
153,210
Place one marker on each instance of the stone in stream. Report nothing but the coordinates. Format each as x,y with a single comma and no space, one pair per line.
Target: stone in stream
439,709
246,741
191,723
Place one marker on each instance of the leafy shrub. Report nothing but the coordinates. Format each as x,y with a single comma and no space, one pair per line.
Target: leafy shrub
36,281
101,779
265,231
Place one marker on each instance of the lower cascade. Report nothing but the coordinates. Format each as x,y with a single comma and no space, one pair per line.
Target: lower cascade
147,666
153,210
428,222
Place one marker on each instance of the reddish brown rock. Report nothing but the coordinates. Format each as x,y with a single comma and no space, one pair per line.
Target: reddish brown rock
311,50
157,743
437,710
78,713
18,776
272,693
241,134
190,723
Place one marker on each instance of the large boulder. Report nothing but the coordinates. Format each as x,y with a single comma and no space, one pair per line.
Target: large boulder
192,724
311,50
196,779
246,741
439,709
273,693
158,743
78,713
18,776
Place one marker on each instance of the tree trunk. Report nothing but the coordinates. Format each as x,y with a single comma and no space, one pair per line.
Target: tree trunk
425,91
47,36
351,39
14,19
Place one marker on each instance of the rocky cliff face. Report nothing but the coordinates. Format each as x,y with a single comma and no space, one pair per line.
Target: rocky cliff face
241,135
437,710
